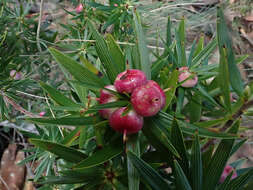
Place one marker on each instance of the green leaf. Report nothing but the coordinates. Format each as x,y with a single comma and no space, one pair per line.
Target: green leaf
133,145
202,91
72,121
224,78
181,180
178,142
94,175
100,156
196,165
168,34
72,136
116,52
142,46
64,152
195,108
237,146
203,53
112,70
180,43
225,42
115,104
171,86
147,173
58,97
165,120
211,123
219,159
152,129
79,72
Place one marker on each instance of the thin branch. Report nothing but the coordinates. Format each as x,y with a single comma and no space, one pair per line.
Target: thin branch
18,107
176,5
228,124
4,183
39,24
31,95
93,41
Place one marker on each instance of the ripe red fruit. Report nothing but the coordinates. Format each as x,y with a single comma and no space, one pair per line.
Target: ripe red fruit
127,124
107,97
185,75
128,80
148,99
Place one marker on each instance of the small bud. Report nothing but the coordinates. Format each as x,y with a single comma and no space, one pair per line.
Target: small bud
190,79
15,75
41,114
79,8
115,5
227,170
247,92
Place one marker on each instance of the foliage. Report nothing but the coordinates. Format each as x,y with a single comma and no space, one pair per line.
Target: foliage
176,149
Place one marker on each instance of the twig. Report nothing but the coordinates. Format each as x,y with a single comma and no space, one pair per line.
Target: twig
18,107
176,5
39,24
5,184
229,123
53,115
93,41
31,95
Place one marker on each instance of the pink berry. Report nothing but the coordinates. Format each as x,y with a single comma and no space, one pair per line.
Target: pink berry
128,124
15,75
105,94
163,97
107,97
79,8
148,99
41,114
185,75
128,80
227,170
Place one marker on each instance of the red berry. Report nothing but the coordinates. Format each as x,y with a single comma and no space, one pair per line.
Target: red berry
128,80
129,123
185,75
148,99
107,97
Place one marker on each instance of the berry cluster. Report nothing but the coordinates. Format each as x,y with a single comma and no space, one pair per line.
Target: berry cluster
147,99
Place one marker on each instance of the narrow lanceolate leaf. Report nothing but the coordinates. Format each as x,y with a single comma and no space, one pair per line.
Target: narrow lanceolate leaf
116,52
72,121
196,165
239,182
142,46
160,136
219,159
111,68
180,37
224,78
195,108
171,88
133,145
115,104
58,97
202,54
100,156
178,142
148,174
225,42
79,72
64,152
182,182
